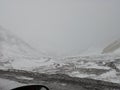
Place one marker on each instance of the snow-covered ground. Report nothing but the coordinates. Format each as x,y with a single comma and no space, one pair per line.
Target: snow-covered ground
102,67
111,76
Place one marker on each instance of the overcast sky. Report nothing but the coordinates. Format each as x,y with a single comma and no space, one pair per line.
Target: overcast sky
62,26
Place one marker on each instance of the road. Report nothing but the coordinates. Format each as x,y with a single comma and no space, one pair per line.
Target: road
13,79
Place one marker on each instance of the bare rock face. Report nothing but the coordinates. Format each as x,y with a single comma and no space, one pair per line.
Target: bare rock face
112,47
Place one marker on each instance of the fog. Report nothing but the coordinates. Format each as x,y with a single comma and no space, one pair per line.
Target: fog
62,27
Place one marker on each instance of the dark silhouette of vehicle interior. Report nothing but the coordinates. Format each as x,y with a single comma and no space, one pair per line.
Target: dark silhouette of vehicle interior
32,87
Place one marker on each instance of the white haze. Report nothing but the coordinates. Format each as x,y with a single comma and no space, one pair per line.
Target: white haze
62,27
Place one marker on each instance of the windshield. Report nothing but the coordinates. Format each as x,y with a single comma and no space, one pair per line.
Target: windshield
60,44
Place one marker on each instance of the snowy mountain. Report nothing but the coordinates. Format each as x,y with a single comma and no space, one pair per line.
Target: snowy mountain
109,48
12,45
16,54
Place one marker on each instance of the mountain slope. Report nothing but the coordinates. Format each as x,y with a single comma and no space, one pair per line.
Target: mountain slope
10,44
15,53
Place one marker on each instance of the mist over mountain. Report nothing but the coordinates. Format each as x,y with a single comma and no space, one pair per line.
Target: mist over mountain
103,62
15,53
112,47
10,45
